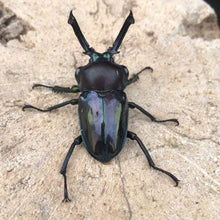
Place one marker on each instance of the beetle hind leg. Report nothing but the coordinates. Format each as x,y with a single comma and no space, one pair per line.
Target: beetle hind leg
77,141
133,136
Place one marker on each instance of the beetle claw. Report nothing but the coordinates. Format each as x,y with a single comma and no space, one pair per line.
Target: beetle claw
66,200
177,122
177,182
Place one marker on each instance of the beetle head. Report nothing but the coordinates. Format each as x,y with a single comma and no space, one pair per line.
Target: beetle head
95,56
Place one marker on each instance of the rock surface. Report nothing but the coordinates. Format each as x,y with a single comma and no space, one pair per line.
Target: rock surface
180,41
11,27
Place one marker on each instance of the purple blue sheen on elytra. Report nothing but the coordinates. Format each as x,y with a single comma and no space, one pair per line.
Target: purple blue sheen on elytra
104,122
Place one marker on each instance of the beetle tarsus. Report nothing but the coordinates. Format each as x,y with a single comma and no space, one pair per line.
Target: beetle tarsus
66,198
133,136
167,173
41,85
167,120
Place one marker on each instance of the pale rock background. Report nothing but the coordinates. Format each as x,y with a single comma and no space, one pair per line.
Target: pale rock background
179,40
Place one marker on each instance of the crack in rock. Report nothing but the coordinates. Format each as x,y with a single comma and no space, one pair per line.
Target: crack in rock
123,190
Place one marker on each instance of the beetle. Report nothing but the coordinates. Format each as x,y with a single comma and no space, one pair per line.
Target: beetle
102,104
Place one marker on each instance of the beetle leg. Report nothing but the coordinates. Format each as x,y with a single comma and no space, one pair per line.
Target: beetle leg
135,76
72,102
133,136
59,89
77,141
133,105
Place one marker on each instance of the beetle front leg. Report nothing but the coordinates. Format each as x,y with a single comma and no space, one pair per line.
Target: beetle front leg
59,89
77,141
135,76
133,136
72,102
133,105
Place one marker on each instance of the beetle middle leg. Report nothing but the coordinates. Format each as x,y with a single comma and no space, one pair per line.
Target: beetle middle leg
77,141
135,76
133,105
59,89
133,136
72,102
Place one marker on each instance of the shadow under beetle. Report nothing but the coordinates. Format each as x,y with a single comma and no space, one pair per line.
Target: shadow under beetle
102,104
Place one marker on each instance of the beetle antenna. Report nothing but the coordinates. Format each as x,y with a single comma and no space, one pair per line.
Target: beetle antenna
129,20
72,21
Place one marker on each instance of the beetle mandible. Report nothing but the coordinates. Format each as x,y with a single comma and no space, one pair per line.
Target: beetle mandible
102,104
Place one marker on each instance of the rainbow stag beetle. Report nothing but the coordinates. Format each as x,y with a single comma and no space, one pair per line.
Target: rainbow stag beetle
102,104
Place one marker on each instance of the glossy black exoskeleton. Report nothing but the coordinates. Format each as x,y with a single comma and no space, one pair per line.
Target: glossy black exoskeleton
102,104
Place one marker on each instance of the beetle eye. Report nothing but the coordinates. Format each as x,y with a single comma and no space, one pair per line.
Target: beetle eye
95,56
125,70
77,72
106,55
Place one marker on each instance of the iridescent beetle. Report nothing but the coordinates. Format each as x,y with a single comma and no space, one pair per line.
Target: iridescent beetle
102,104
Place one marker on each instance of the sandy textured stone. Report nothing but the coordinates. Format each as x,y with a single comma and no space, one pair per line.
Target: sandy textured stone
179,40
